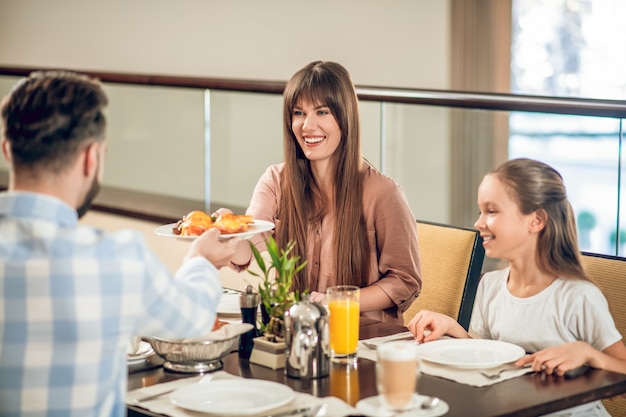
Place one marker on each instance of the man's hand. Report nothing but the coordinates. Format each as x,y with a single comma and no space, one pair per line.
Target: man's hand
218,251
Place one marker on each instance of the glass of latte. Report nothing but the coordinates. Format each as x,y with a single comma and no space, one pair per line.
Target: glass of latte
397,374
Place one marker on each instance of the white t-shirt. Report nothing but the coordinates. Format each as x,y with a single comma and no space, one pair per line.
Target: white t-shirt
566,311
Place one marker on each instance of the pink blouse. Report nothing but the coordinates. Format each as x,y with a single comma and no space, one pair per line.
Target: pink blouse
392,234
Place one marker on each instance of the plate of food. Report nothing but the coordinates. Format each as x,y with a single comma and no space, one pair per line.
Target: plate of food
230,225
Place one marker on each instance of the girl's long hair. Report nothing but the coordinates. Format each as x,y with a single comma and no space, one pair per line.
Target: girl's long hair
537,186
303,202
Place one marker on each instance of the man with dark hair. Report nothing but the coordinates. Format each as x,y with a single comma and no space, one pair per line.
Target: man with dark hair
72,296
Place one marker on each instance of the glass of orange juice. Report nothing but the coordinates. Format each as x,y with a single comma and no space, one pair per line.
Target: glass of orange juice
343,305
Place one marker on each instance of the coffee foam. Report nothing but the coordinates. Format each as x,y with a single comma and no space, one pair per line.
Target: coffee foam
398,351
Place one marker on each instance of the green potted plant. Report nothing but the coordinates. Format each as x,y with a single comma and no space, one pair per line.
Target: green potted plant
276,292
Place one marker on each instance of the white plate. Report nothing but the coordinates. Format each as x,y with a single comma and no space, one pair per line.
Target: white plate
233,397
143,353
373,407
229,305
259,226
470,353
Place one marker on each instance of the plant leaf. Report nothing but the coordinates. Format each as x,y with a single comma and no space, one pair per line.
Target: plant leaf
277,295
258,258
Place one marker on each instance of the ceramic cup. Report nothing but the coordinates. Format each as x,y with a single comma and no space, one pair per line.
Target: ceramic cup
397,373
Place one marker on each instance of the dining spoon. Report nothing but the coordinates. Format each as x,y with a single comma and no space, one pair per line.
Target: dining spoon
314,411
429,402
497,374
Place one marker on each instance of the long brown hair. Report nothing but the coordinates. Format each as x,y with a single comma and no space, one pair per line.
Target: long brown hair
302,202
536,186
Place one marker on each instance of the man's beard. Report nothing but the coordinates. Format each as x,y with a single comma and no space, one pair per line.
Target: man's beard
91,195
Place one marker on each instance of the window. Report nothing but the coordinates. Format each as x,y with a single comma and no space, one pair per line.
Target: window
572,48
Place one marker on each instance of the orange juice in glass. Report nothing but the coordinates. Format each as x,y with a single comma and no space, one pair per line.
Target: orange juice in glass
343,306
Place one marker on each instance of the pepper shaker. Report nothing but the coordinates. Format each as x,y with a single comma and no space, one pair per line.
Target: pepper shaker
249,302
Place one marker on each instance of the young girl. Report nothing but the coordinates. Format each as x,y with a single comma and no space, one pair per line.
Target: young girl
544,301
351,223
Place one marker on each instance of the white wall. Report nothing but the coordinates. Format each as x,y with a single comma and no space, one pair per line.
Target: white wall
399,43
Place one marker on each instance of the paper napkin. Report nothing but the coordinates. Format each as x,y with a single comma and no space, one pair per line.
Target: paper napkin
471,377
162,405
225,332
367,348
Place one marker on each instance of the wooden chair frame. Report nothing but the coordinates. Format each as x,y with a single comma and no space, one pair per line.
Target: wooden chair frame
473,258
609,273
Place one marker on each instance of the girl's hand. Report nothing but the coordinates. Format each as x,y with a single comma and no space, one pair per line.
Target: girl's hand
318,297
438,324
559,359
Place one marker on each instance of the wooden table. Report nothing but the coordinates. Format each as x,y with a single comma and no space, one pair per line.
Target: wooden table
528,395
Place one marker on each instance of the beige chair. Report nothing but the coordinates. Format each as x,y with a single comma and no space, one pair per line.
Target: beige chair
609,273
452,258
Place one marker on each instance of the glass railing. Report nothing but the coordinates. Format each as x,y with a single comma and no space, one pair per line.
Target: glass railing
177,144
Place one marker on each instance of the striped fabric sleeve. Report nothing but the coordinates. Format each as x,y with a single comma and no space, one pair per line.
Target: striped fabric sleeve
179,306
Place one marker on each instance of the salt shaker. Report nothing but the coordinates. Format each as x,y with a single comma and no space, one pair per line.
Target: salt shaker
249,302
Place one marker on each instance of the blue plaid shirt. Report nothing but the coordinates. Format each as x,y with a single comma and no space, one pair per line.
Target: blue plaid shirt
72,296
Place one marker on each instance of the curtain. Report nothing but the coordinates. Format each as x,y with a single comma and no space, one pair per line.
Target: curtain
481,57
